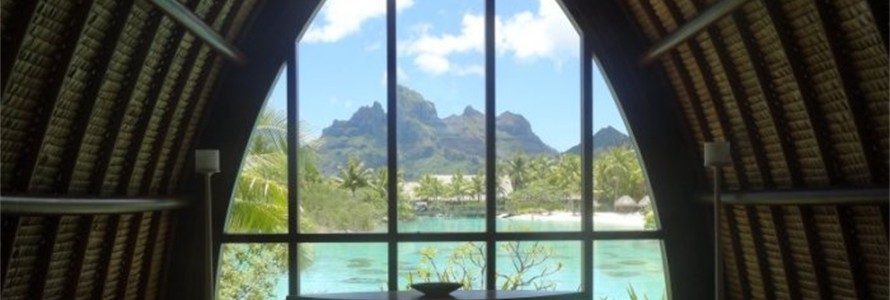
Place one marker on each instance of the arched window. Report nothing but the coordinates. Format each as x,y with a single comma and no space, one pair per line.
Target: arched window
441,141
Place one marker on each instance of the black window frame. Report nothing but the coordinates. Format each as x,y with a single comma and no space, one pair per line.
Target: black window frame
586,236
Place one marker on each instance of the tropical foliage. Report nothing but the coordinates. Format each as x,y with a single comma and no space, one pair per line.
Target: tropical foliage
356,199
530,265
617,172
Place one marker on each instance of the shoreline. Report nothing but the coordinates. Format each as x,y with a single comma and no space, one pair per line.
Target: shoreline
567,216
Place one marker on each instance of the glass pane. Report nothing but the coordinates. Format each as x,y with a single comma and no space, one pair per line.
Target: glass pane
252,271
337,267
259,204
538,121
462,262
535,265
620,189
441,120
343,119
622,268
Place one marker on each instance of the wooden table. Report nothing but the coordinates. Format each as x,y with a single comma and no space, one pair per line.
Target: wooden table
459,295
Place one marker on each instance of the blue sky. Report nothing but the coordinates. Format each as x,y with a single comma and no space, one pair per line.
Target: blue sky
440,53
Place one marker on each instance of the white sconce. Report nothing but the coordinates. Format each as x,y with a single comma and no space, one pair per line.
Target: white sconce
717,155
206,161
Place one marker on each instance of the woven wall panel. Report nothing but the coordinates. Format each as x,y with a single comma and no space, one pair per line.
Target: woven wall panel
61,257
234,25
773,253
702,102
154,117
176,93
134,274
755,96
705,101
870,59
112,275
802,259
793,110
649,28
30,238
831,240
159,246
826,261
36,59
179,118
146,81
749,251
192,126
164,101
80,69
733,282
826,82
871,233
136,33
89,275
736,127
98,78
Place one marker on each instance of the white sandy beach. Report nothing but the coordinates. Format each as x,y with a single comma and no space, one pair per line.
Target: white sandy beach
630,219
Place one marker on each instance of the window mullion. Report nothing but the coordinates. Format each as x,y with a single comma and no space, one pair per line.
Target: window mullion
292,190
490,150
586,167
391,150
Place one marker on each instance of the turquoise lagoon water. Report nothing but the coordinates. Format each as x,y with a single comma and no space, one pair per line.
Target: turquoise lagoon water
362,267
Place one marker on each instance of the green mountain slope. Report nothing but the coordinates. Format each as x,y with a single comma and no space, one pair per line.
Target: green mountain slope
427,144
605,138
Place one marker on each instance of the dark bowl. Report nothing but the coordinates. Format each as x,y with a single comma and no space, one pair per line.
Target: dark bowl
436,289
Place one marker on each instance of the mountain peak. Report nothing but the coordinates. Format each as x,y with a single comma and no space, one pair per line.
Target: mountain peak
427,143
604,138
515,121
609,129
469,111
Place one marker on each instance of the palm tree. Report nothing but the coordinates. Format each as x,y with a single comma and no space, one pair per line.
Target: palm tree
477,185
617,172
379,182
429,188
259,203
540,168
354,176
566,178
517,171
458,186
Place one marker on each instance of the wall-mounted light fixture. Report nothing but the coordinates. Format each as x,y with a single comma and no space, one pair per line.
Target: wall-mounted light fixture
717,155
207,164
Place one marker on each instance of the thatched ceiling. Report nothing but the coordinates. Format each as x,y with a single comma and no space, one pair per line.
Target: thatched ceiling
99,98
799,87
106,97
103,97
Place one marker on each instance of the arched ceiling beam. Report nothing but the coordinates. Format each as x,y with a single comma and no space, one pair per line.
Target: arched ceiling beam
193,24
690,29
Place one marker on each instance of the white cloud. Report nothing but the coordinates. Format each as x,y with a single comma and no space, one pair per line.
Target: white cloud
546,33
470,70
344,17
526,36
431,52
